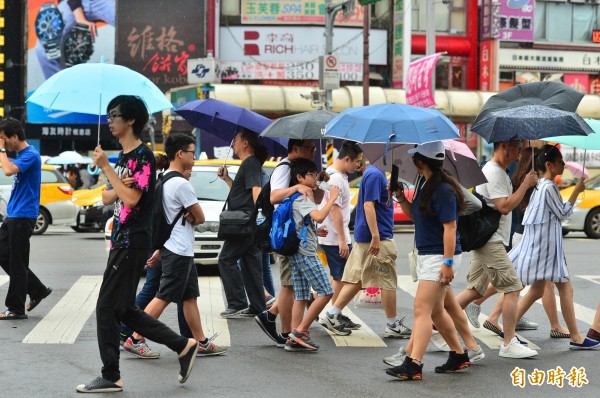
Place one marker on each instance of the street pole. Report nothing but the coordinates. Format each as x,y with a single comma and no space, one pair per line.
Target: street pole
366,9
406,39
332,10
430,35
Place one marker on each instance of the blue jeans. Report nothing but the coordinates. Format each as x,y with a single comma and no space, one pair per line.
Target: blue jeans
267,274
146,295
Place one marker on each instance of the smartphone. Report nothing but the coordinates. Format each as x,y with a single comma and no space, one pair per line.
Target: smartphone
394,179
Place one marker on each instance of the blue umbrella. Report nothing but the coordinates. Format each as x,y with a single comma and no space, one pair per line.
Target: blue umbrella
69,157
224,119
531,122
591,141
391,123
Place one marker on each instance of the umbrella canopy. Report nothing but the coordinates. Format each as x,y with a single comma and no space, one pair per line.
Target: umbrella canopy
591,141
554,95
70,157
396,123
459,162
530,122
88,88
302,126
577,169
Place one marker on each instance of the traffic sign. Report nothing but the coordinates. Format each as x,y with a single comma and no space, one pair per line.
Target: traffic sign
329,72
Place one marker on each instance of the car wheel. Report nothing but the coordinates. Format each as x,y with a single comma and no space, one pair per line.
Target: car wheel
592,224
42,222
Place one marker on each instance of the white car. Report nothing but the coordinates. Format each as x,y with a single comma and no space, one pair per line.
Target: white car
212,193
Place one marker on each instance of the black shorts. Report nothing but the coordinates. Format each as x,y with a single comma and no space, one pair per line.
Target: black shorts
179,280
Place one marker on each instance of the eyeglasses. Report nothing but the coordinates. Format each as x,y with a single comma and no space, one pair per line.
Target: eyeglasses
312,174
113,116
193,152
310,148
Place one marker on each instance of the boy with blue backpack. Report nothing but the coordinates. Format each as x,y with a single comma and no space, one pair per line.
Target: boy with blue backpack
307,270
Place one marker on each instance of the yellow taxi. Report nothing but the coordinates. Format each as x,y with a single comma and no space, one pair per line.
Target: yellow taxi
586,212
92,213
56,206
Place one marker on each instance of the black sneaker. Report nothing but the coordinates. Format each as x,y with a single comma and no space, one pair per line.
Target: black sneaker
281,340
407,371
186,363
455,362
347,322
267,326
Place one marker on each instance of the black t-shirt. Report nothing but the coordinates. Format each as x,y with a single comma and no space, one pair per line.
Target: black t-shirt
132,227
247,177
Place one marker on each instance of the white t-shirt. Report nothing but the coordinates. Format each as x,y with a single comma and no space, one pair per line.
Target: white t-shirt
281,176
498,186
178,193
343,201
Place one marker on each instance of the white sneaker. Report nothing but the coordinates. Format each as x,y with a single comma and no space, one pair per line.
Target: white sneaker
438,341
397,330
397,359
473,310
476,355
516,350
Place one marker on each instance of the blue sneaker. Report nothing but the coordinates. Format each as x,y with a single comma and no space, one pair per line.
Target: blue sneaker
587,344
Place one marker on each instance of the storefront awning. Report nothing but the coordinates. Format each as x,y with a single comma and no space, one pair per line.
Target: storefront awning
276,101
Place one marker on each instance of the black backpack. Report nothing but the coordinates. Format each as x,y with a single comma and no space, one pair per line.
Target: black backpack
477,228
161,228
263,224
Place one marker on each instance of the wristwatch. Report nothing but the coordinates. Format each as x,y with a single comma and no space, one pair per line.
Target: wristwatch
49,26
78,46
449,262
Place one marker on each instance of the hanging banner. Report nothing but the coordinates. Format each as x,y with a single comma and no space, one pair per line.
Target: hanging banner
419,74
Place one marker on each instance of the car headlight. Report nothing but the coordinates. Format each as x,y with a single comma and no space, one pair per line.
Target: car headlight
208,226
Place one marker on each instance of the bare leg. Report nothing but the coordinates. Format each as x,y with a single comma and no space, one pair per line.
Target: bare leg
283,306
459,319
313,311
549,301
388,299
467,296
496,312
337,288
192,317
491,290
596,324
509,315
347,293
565,290
535,292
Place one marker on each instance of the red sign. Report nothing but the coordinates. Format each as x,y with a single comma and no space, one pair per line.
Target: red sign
596,36
488,74
418,77
331,61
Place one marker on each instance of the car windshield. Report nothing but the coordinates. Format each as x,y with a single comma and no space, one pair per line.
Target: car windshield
208,187
593,183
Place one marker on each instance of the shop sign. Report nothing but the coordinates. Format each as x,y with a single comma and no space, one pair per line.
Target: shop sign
490,19
488,65
227,70
299,12
300,44
549,60
596,35
516,20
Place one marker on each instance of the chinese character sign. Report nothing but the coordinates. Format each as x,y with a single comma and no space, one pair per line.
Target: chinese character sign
397,50
157,39
279,12
516,20
418,86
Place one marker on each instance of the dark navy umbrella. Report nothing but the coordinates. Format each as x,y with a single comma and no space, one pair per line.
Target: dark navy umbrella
554,95
531,122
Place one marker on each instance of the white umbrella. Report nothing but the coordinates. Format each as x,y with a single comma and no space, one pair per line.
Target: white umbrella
70,157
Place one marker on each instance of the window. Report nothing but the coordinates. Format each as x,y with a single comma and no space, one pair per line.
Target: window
449,18
51,176
565,22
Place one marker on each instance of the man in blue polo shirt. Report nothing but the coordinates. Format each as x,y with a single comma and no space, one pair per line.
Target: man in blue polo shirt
22,213
372,261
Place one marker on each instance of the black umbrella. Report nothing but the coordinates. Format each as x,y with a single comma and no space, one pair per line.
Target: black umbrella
531,122
554,95
302,126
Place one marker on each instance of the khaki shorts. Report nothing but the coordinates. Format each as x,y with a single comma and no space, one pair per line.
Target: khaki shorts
285,271
370,271
490,263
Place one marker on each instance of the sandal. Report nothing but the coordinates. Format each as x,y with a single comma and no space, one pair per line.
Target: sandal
556,334
34,302
491,327
9,315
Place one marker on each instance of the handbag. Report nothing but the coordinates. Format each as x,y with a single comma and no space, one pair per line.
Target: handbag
369,297
236,224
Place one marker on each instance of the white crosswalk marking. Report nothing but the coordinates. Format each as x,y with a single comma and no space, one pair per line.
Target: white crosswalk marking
591,278
3,279
582,313
210,304
63,323
363,337
487,337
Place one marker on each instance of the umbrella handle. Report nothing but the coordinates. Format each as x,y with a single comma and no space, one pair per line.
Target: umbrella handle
95,171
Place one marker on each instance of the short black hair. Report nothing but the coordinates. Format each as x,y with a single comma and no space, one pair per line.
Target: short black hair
262,153
292,143
301,166
12,127
177,142
349,148
131,107
249,136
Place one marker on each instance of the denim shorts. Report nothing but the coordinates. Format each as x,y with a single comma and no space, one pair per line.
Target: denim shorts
334,261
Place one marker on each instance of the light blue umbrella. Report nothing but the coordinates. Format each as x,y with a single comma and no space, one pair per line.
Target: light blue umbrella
591,141
69,157
391,123
88,88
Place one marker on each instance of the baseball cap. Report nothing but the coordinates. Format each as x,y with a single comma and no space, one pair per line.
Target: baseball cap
433,150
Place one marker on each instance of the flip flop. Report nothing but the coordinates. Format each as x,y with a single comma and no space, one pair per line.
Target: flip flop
34,302
98,385
9,315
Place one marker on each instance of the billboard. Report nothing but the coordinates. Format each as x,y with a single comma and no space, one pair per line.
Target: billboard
516,20
57,40
301,12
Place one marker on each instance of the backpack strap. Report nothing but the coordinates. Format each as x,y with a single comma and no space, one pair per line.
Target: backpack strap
164,179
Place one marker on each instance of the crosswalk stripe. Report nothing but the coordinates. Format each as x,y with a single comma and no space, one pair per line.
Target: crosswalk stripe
210,304
582,313
64,322
487,337
363,337
591,278
3,279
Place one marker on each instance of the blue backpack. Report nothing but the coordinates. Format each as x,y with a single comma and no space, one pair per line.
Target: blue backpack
283,237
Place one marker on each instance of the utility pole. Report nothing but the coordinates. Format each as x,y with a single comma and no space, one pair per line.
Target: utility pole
366,13
430,35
